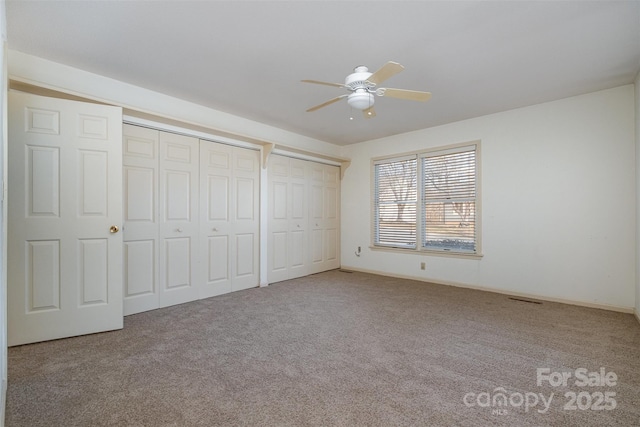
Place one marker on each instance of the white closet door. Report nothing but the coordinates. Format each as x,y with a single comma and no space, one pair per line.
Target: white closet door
179,194
331,205
230,222
324,217
288,224
141,227
279,213
65,181
317,218
304,218
245,264
215,217
299,220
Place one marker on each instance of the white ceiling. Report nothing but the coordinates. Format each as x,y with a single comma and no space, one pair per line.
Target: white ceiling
248,57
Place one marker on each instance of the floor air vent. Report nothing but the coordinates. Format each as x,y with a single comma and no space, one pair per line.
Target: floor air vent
525,300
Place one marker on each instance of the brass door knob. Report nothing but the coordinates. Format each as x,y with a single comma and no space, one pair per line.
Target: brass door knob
114,229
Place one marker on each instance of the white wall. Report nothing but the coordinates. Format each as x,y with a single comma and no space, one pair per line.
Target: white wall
3,210
558,201
637,118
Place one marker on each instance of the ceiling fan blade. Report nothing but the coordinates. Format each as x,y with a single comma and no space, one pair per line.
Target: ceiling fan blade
413,95
387,70
318,82
369,113
329,102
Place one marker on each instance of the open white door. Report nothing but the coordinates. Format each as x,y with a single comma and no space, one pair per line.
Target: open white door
64,214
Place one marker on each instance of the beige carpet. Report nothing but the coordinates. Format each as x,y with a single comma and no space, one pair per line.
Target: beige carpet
335,349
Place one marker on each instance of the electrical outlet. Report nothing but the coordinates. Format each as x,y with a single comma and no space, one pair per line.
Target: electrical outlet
423,265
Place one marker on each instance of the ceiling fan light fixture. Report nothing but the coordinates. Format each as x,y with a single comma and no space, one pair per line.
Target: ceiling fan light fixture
360,99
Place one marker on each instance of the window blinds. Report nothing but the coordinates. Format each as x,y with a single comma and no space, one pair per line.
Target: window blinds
395,202
449,200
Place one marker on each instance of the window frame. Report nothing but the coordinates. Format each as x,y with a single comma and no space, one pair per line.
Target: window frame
420,210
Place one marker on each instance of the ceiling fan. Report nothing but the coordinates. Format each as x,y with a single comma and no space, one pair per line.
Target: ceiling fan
362,86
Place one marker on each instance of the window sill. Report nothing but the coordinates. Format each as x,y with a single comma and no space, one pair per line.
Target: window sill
424,252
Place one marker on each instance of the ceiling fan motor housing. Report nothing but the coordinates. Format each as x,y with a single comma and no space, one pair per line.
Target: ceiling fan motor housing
358,78
361,98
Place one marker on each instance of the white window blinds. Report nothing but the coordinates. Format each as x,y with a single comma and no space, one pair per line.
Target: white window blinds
449,200
395,202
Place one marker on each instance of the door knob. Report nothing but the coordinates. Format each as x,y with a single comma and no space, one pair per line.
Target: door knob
179,230
114,229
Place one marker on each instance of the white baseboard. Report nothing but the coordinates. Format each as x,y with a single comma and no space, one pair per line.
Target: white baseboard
629,310
637,315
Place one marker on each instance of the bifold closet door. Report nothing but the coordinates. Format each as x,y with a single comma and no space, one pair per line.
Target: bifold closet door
331,217
299,219
278,219
179,225
141,219
324,221
229,218
161,198
303,218
288,219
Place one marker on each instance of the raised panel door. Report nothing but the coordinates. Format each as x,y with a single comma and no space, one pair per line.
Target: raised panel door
278,218
65,180
179,219
216,161
141,219
245,198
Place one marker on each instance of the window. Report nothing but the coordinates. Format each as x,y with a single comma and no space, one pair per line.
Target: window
449,200
428,201
395,202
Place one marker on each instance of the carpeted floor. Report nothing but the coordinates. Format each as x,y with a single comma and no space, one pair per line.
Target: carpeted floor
337,349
